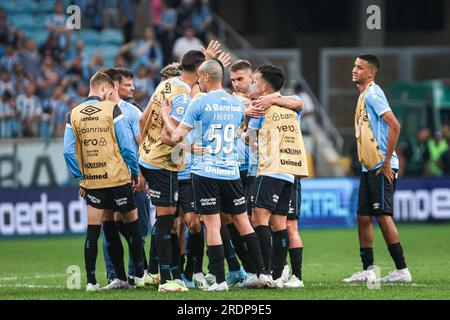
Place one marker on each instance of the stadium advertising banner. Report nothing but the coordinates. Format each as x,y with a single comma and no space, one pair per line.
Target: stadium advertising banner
325,203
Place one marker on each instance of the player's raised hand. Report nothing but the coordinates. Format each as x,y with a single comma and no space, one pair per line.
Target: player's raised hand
212,50
225,58
199,150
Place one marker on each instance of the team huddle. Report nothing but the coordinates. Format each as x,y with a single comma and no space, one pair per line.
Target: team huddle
219,168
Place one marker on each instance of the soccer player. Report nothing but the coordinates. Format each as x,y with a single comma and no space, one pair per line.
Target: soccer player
157,162
241,76
123,83
278,132
215,177
377,131
95,132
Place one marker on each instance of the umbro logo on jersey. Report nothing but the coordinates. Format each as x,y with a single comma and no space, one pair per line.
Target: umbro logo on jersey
376,206
90,110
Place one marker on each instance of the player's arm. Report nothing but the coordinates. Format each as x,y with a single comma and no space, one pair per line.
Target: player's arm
70,151
288,102
379,104
393,134
124,142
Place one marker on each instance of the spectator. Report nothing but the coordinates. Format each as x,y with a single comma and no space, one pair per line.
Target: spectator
56,24
97,62
11,58
51,47
93,16
186,43
128,18
6,84
143,85
7,116
437,146
29,110
445,128
120,61
75,73
78,50
166,35
145,51
58,108
20,78
200,18
110,13
31,59
156,9
416,153
49,77
6,32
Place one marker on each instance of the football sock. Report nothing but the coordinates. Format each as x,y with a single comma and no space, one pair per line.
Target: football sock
164,245
216,256
366,257
252,249
238,245
396,251
265,240
230,254
115,249
136,246
175,261
280,249
153,256
296,256
90,251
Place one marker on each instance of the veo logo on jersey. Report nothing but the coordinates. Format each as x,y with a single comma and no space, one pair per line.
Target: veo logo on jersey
95,142
90,110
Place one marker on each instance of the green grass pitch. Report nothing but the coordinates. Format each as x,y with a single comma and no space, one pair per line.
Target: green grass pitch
36,269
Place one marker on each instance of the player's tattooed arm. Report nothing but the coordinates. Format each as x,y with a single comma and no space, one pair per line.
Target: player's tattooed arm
288,102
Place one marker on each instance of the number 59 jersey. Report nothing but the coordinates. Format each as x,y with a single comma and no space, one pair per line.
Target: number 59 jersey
215,118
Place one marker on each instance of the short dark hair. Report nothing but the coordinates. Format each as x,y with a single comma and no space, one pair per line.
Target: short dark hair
112,73
272,75
372,59
125,73
240,65
192,60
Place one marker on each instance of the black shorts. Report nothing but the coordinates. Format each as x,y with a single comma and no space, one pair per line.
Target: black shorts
272,194
120,198
214,196
186,199
250,193
163,185
296,201
376,194
244,177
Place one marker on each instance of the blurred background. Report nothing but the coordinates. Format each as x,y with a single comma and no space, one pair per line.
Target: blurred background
45,66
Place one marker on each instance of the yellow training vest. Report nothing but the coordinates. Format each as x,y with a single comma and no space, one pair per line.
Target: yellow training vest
369,153
280,144
97,151
152,150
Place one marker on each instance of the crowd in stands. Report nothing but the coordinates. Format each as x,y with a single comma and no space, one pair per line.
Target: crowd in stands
45,65
426,153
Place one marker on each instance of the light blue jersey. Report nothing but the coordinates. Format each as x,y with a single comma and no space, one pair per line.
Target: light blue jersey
377,105
131,115
219,116
243,151
186,173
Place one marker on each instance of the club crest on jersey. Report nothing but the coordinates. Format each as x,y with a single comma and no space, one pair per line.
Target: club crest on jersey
180,111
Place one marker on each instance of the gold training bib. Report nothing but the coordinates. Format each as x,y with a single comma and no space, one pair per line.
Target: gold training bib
97,151
369,153
152,150
280,144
